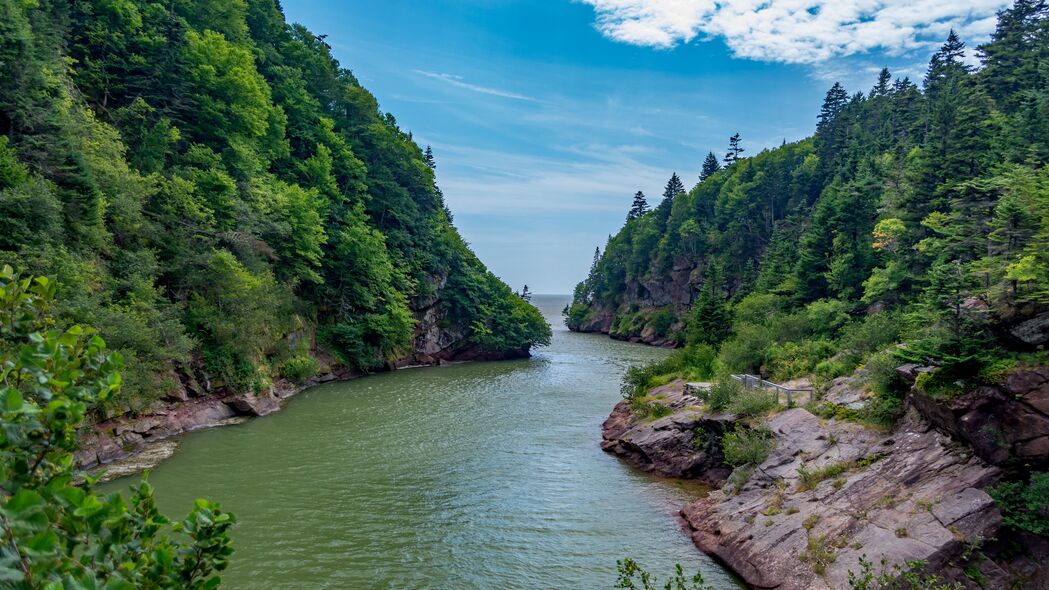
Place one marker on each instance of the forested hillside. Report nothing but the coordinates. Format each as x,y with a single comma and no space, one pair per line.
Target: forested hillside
226,203
916,214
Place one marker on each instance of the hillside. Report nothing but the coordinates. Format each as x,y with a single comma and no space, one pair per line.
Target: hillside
915,215
227,204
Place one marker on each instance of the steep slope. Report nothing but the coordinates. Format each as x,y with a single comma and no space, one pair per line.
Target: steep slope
226,202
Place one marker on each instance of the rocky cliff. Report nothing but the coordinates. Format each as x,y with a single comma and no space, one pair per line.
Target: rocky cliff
831,492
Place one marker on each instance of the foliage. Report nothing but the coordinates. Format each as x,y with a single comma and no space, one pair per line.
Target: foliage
753,403
1025,505
897,577
633,577
746,446
915,215
300,368
205,182
56,531
722,393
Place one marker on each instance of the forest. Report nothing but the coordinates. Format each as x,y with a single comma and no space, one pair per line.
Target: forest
913,226
224,202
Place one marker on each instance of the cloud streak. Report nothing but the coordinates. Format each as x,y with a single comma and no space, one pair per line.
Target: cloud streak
796,31
458,82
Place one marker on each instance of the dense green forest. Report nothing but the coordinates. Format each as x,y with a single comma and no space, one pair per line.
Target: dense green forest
221,199
916,215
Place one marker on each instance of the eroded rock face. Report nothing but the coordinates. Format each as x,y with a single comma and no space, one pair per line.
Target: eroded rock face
909,495
1007,424
685,444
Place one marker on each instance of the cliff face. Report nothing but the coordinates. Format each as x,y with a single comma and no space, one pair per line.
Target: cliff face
831,492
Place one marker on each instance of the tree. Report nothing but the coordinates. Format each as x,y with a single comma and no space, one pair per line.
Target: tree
639,208
833,104
884,85
57,532
734,150
428,158
525,294
710,166
673,188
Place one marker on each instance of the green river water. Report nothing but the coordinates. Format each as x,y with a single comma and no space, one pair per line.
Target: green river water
476,476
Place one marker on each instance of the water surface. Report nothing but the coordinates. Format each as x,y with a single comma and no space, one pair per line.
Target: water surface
478,476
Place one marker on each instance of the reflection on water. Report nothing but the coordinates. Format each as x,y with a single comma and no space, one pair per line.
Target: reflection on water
477,476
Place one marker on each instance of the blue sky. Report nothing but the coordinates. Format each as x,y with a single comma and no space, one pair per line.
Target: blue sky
545,116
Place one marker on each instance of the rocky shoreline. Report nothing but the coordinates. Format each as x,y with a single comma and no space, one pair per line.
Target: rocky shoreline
128,444
832,492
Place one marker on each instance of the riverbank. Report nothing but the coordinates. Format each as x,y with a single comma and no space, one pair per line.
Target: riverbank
832,492
134,443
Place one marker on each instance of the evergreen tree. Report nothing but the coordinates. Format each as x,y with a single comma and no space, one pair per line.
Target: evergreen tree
710,166
833,104
734,150
884,85
639,208
428,158
525,294
673,188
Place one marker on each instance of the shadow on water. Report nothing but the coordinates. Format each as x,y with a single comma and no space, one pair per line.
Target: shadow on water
475,476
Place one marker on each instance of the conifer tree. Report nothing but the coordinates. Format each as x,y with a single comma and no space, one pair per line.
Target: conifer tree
710,166
833,104
734,150
639,208
673,188
884,84
428,158
525,294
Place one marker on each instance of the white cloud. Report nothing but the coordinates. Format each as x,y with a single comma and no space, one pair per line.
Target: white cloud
796,31
458,82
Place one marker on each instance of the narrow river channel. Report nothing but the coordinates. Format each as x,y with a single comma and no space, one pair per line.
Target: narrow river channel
477,476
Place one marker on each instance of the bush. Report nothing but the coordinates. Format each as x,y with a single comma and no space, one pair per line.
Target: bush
887,404
745,446
57,531
300,368
1025,506
796,359
630,574
661,321
722,393
751,403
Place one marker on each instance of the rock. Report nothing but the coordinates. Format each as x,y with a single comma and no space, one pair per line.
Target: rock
251,404
685,444
1000,423
1034,331
913,498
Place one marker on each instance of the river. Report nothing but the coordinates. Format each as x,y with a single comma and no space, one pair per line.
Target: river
478,476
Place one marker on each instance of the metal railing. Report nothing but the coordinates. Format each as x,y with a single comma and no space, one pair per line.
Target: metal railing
755,382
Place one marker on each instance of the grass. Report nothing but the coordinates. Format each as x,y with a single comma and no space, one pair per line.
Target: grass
810,478
818,554
745,446
752,403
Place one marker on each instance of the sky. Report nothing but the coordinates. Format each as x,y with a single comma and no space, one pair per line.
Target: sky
546,116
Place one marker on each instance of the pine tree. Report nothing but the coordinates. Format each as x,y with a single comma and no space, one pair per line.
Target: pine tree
734,150
833,104
428,158
884,86
639,208
710,166
674,187
525,294
1012,62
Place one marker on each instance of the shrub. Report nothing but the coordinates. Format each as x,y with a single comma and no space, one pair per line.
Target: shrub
1025,506
661,321
299,368
818,554
57,531
631,574
795,359
751,403
745,446
887,404
722,393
